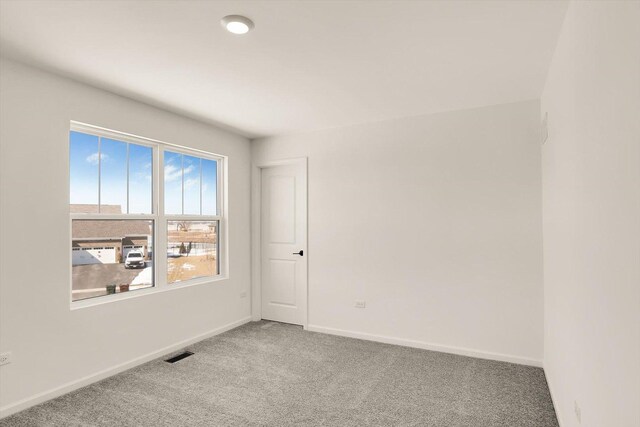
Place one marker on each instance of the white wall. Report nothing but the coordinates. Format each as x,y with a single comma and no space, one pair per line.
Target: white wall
52,345
591,169
435,221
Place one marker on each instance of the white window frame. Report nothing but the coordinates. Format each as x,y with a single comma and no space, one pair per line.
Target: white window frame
160,220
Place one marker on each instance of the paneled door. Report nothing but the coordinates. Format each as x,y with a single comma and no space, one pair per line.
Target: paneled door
283,238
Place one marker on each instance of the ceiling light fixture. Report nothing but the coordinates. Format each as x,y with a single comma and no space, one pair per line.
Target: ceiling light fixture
237,24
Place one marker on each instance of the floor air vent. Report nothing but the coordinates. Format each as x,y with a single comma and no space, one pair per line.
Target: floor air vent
179,357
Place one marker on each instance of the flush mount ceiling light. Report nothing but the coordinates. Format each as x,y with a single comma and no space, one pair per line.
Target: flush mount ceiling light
237,24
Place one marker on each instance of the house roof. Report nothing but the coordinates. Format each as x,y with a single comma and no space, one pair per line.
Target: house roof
88,208
109,229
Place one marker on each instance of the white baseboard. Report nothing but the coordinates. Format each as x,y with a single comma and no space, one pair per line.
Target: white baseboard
89,379
428,346
556,408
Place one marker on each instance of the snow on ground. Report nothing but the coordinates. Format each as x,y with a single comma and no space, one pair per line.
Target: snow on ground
144,278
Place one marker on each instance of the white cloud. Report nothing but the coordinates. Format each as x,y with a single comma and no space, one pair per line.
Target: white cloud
188,183
93,158
172,173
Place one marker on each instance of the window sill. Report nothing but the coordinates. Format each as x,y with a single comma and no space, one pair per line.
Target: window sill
107,299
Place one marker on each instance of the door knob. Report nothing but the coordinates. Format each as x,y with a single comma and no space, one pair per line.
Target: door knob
301,253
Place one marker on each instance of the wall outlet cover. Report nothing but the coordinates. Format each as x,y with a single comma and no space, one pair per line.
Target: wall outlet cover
360,303
5,358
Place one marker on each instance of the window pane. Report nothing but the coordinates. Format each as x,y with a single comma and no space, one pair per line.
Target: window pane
192,250
191,176
83,173
209,187
172,183
113,176
110,256
140,174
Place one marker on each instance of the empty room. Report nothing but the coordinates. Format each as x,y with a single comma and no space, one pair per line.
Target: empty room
320,213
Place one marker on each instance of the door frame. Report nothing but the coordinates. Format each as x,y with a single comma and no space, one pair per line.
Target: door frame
256,243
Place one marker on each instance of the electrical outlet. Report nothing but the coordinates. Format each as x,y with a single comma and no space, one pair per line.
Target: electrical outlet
360,303
243,294
5,358
576,409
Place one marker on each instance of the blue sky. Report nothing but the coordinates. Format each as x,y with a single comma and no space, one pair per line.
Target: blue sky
88,160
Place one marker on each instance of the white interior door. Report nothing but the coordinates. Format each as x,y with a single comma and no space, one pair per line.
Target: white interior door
284,243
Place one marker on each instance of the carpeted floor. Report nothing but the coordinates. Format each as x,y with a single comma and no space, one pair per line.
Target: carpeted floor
272,374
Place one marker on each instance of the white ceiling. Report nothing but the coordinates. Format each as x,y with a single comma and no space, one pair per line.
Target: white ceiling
307,64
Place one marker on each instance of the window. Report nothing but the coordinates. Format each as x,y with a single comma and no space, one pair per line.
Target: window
192,250
129,196
103,270
190,185
109,176
190,188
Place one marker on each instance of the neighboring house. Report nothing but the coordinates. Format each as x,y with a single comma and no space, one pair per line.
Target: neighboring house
107,241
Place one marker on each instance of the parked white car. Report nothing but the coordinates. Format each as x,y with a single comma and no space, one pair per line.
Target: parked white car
134,259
